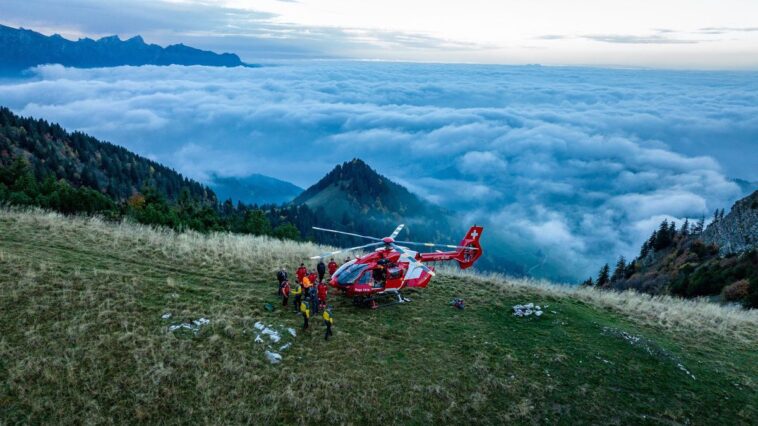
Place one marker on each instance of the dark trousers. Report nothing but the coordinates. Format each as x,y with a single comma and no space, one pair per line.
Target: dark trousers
297,303
321,276
305,322
285,299
328,330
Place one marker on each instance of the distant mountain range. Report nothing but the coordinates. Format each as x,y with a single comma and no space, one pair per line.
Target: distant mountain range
254,189
21,48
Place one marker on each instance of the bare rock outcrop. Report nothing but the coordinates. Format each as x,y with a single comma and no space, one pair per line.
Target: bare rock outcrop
737,231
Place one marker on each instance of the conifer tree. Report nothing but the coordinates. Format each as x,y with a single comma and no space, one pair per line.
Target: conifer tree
603,279
618,272
631,268
645,249
663,236
672,230
699,226
685,231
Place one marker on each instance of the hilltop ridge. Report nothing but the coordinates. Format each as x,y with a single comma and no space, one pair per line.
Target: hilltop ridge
359,199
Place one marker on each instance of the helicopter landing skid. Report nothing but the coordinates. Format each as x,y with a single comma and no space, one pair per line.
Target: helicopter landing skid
372,302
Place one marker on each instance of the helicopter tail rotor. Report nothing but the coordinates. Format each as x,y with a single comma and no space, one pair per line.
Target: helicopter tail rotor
469,249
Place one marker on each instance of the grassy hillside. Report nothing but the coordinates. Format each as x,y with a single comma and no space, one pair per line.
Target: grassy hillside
82,339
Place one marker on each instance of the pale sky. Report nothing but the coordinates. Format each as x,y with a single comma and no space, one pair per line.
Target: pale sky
700,34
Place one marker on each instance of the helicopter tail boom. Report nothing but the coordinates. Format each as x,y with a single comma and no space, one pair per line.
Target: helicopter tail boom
470,250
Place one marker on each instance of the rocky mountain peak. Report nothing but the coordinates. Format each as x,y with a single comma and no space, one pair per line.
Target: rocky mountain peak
737,231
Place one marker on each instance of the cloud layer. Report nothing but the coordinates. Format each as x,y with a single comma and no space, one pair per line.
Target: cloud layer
567,167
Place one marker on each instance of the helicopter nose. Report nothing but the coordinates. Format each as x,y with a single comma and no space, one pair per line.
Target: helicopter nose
388,240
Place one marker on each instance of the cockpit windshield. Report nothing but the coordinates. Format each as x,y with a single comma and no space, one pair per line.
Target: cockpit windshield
348,275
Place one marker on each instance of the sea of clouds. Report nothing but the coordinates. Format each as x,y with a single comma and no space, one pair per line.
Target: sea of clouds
567,167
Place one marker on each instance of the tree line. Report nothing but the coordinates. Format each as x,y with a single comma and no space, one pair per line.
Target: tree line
19,186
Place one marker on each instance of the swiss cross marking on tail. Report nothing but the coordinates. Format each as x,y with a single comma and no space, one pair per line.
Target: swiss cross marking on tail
474,234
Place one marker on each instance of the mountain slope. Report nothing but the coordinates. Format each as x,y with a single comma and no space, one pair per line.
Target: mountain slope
21,49
356,197
254,189
82,301
85,161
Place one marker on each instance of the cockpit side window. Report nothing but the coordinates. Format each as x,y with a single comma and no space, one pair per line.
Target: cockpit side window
344,266
365,279
350,274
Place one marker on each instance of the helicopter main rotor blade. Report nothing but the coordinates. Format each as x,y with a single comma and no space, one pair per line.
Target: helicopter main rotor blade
413,259
344,250
397,230
413,243
346,233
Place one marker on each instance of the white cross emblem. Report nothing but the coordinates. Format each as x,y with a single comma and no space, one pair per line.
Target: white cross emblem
474,234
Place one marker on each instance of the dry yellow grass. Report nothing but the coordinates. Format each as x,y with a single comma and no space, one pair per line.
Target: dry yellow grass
674,313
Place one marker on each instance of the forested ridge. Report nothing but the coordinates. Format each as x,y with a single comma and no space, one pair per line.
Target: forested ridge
85,161
41,164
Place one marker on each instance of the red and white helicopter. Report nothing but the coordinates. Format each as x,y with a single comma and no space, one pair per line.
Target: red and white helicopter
392,267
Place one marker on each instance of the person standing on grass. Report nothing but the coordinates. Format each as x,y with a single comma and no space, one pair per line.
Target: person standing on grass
312,277
285,292
298,293
322,295
328,322
306,311
313,297
332,267
306,285
301,272
281,275
321,269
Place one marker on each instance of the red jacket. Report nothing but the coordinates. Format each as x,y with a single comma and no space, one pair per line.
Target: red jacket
313,277
332,267
301,273
286,289
322,292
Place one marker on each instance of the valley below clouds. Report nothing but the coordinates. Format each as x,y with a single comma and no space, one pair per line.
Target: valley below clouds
567,167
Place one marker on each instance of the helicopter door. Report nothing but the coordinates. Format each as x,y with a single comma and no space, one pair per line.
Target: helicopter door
368,279
394,272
